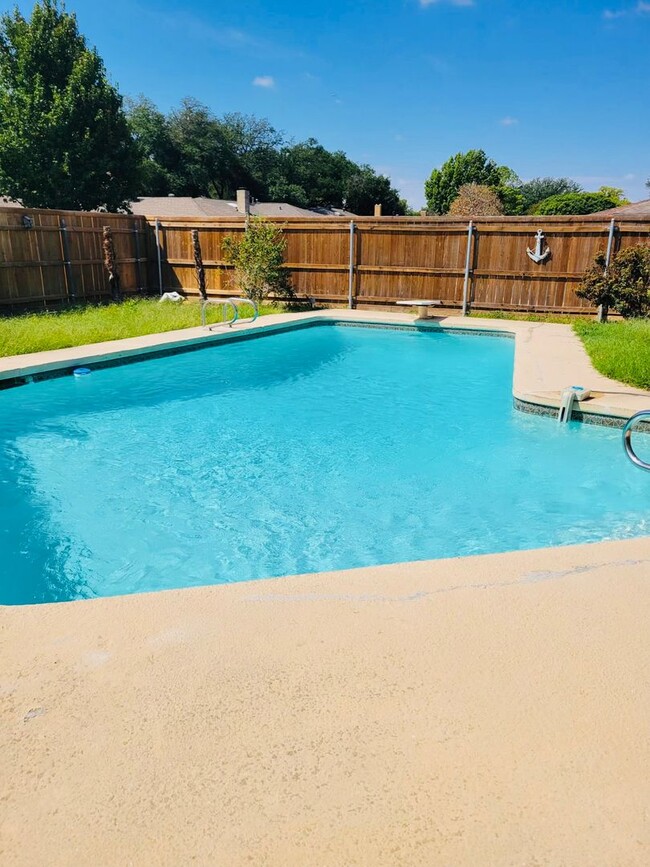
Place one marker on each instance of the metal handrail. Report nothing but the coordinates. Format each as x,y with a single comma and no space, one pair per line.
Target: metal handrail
252,303
627,439
233,304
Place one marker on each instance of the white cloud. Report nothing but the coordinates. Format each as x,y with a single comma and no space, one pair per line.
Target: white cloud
642,7
425,3
195,28
509,121
264,81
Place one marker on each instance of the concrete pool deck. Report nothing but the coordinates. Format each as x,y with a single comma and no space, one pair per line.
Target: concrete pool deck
548,357
491,710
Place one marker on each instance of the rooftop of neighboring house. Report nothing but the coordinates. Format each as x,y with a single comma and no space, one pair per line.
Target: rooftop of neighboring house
634,209
200,206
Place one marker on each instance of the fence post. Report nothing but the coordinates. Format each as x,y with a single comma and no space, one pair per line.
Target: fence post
160,283
199,270
65,248
603,310
351,268
470,231
138,272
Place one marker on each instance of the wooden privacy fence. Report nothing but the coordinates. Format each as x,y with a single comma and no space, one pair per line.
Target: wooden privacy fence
389,259
369,261
50,257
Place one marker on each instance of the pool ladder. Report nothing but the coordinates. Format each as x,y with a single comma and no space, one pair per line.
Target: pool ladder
233,304
627,439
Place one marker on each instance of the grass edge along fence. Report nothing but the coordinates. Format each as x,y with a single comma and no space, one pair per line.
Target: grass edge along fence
496,263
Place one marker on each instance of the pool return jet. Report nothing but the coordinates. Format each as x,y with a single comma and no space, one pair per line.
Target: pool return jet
567,400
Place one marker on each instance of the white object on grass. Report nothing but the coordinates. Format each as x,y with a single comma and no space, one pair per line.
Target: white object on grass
172,296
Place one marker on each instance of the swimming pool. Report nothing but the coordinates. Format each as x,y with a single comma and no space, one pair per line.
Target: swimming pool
314,449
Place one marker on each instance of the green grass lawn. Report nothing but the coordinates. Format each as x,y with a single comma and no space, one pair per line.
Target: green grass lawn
34,332
560,318
620,350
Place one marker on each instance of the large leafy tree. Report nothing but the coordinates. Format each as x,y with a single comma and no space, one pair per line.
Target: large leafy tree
64,138
206,164
473,167
320,175
309,175
192,152
366,188
256,143
158,156
538,189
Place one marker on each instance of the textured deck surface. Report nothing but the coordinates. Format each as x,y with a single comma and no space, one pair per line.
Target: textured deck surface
491,710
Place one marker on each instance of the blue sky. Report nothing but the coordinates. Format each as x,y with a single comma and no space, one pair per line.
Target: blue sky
548,88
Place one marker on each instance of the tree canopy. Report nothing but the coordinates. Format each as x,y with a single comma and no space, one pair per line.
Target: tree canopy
473,167
538,189
574,203
193,152
64,139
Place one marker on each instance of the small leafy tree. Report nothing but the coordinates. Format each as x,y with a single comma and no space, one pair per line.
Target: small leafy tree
476,200
624,286
64,138
615,193
258,257
473,167
574,203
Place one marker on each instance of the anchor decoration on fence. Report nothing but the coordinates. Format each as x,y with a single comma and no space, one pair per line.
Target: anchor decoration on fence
536,255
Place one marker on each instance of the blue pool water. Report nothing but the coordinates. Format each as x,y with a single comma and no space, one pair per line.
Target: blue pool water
323,448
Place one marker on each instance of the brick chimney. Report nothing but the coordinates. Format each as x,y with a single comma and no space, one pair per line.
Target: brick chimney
244,202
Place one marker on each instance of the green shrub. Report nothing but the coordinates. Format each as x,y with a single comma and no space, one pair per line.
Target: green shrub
625,286
574,203
258,257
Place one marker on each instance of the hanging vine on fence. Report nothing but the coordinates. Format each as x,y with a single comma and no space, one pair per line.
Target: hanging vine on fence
110,264
199,270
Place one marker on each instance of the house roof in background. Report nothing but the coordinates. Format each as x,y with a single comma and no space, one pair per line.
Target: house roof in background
200,206
635,209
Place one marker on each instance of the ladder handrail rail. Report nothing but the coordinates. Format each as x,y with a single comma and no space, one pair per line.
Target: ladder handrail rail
233,302
627,439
